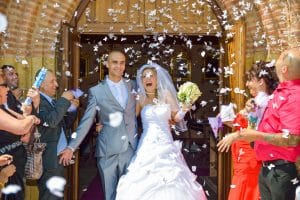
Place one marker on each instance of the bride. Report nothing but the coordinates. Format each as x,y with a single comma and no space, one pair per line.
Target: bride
158,169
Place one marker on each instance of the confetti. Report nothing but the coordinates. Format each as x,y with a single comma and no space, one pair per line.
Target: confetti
24,62
194,168
74,135
3,23
271,166
68,73
56,185
11,189
295,181
115,119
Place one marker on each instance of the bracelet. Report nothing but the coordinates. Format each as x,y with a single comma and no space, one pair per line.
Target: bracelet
181,114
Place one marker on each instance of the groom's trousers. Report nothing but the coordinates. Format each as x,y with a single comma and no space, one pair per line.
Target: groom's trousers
111,169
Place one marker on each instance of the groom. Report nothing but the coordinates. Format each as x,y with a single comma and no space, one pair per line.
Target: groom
116,143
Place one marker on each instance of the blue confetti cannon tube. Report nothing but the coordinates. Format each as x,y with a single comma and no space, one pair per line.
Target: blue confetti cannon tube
37,83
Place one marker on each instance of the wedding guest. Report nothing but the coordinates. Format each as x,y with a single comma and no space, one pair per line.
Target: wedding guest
12,81
54,126
261,82
18,126
14,128
280,123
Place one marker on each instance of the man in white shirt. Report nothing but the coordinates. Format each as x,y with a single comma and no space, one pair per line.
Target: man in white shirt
116,142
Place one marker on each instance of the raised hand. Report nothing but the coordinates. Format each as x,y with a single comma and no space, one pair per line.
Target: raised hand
34,94
68,95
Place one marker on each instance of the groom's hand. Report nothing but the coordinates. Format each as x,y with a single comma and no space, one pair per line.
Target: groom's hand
66,157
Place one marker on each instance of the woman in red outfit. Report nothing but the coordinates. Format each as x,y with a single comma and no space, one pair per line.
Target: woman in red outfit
261,81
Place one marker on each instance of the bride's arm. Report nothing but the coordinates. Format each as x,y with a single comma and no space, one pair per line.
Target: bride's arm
177,116
177,113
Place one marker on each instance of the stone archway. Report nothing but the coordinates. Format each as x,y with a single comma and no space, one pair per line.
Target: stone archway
270,26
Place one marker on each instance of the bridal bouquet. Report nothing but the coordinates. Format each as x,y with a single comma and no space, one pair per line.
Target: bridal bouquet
188,93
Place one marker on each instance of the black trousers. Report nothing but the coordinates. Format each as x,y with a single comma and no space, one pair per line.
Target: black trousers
275,183
44,192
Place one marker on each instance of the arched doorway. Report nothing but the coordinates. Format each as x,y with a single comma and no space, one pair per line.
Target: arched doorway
97,27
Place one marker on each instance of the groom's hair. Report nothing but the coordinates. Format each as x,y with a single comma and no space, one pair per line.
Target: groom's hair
116,50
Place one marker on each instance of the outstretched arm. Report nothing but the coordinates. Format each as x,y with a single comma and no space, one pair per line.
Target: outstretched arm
85,124
278,139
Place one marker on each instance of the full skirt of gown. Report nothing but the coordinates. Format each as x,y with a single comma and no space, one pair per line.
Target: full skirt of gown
158,170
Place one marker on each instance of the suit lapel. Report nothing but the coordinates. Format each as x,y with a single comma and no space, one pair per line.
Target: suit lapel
109,93
129,89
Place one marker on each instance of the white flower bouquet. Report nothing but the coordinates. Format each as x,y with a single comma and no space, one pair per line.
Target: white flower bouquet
188,93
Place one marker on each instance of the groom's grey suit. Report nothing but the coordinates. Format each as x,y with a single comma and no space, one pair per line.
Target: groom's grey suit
115,145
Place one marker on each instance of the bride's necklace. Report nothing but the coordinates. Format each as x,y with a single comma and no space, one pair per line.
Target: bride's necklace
150,92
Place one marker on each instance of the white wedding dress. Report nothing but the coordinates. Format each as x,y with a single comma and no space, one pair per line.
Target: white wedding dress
158,170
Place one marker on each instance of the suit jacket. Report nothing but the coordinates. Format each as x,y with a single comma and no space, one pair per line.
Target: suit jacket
111,140
53,118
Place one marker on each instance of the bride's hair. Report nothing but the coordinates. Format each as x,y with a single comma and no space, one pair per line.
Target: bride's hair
166,92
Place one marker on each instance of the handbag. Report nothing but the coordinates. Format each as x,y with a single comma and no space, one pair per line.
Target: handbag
34,151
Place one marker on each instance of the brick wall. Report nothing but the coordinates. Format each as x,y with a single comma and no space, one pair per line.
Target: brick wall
272,25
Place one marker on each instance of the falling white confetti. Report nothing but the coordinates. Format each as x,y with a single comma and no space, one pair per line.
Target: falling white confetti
123,137
281,98
45,124
203,103
232,186
56,5
97,108
186,150
11,189
286,133
68,73
24,62
203,53
270,166
199,133
262,73
115,119
271,64
295,181
56,185
74,135
3,23
194,168
275,106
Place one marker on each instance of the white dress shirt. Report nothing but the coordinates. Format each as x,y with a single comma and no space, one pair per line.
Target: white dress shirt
261,101
119,91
